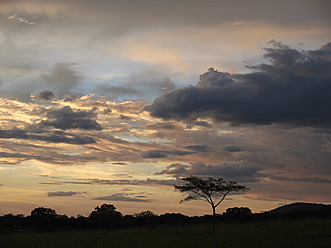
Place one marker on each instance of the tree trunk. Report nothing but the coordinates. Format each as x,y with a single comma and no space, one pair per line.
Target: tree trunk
214,215
214,210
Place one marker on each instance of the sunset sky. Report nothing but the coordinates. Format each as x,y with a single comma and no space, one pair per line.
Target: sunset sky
114,102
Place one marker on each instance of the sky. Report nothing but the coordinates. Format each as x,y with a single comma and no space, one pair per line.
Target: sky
114,102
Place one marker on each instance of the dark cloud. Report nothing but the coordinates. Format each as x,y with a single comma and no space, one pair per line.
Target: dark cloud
66,118
238,170
147,182
294,88
174,169
62,193
62,79
123,197
260,198
201,124
17,155
124,117
164,153
14,133
45,95
162,126
63,137
107,111
119,163
300,179
54,136
71,97
198,148
232,149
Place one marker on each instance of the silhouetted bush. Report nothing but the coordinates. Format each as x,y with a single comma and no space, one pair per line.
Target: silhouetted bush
237,214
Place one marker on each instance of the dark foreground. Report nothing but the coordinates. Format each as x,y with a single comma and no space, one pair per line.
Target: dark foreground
277,233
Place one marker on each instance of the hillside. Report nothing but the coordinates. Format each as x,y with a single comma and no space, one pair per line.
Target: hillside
299,206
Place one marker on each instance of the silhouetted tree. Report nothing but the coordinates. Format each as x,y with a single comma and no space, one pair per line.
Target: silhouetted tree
44,218
210,190
43,212
144,214
105,214
145,218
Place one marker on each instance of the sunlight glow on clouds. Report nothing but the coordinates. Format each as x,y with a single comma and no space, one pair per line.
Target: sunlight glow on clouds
15,18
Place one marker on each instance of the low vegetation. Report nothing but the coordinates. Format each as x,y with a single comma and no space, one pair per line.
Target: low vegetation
275,233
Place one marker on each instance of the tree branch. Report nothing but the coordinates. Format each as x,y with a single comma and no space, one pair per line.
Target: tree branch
222,198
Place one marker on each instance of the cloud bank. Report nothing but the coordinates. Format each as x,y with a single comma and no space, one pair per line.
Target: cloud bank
242,171
294,88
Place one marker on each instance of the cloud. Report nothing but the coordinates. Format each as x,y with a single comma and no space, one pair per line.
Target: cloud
62,193
238,170
131,197
293,89
210,12
71,98
200,123
300,179
45,95
119,163
15,18
198,148
232,149
164,153
147,84
21,78
116,91
260,198
53,136
17,155
66,118
62,79
161,126
148,182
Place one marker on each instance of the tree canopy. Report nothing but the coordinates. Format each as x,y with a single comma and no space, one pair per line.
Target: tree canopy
105,210
210,190
43,212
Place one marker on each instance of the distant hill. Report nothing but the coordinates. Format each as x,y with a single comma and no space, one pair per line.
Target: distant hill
299,206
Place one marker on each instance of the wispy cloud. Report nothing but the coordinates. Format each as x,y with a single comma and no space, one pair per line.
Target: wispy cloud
65,193
127,197
164,153
15,18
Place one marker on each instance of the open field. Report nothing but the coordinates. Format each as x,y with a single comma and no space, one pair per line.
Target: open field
300,233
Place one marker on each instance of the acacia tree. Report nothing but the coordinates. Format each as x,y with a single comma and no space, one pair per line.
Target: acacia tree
210,190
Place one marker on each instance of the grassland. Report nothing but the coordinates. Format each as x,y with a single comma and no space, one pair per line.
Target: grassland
313,233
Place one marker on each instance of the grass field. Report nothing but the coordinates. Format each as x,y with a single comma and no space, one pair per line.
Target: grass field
301,233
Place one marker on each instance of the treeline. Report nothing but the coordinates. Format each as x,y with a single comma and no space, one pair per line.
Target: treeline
106,217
